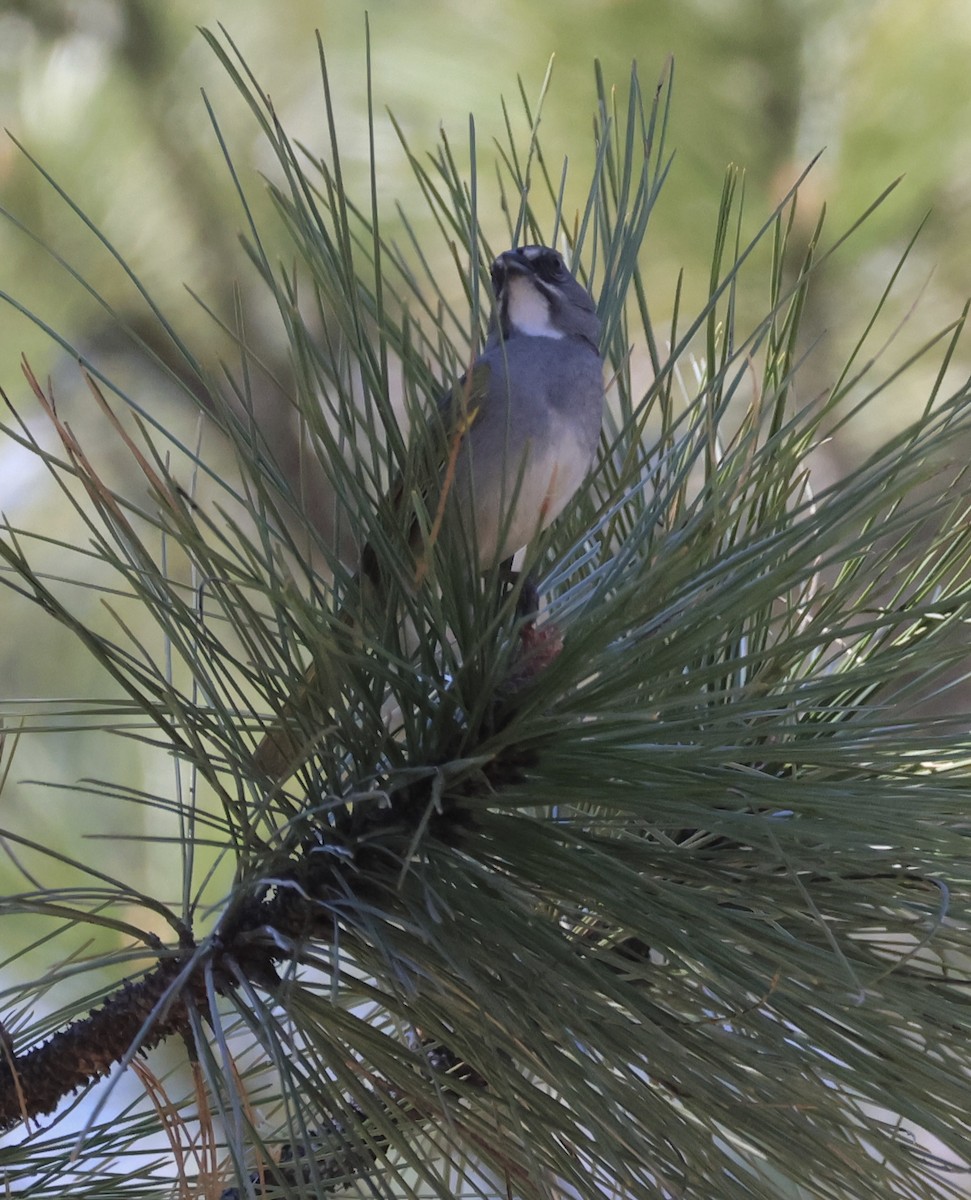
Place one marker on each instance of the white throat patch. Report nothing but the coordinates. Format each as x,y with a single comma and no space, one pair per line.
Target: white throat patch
528,310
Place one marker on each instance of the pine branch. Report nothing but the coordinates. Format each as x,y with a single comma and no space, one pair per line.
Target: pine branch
663,894
359,854
139,1015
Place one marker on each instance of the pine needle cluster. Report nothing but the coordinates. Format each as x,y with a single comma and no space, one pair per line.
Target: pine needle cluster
665,895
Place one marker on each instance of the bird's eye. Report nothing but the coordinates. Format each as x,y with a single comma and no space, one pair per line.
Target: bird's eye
550,266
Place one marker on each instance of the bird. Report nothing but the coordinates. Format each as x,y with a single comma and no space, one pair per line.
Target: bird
518,437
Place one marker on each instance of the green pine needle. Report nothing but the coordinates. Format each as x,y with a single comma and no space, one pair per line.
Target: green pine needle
680,908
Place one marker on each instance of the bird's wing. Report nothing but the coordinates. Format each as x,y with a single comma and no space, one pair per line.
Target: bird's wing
431,460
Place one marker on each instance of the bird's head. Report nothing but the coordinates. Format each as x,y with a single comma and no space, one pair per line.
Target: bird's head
537,296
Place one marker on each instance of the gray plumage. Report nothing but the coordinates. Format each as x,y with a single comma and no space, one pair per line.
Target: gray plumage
538,391
520,434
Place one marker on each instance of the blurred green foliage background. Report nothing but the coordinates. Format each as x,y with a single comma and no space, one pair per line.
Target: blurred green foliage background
106,95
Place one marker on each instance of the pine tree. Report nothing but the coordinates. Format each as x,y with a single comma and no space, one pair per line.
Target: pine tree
661,894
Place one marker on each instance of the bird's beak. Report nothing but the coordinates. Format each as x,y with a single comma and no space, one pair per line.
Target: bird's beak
512,262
